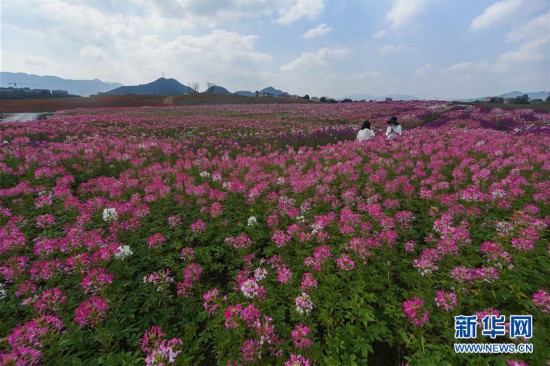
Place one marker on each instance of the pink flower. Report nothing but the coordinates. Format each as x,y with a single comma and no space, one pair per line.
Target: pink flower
445,300
252,350
198,227
299,336
542,300
242,241
158,350
96,280
49,300
251,316
409,246
283,274
413,309
210,300
516,363
231,314
91,311
308,281
156,240
345,263
187,253
297,360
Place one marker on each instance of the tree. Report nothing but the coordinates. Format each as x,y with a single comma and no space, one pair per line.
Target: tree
524,99
210,87
306,97
195,87
323,99
496,100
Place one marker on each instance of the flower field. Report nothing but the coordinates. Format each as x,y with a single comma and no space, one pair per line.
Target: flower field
265,234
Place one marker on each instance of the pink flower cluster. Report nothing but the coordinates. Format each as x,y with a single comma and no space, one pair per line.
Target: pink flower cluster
91,311
159,351
413,308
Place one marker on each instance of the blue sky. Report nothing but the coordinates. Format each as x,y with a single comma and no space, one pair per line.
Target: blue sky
433,49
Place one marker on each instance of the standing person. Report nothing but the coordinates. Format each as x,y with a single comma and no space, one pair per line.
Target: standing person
366,132
394,128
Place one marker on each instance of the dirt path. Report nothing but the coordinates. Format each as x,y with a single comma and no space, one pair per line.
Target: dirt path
21,117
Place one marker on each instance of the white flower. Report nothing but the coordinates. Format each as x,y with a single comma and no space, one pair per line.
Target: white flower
204,174
252,221
123,252
250,288
110,214
498,193
3,292
260,273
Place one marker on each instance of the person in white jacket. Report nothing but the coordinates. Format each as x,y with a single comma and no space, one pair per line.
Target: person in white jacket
394,128
366,132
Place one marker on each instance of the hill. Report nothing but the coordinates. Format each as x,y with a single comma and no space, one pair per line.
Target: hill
218,90
245,93
271,90
161,86
77,87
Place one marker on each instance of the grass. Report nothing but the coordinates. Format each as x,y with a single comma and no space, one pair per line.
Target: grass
106,101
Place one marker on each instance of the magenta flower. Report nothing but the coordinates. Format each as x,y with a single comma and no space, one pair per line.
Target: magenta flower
445,300
308,281
542,300
156,240
299,336
413,309
297,360
345,263
91,311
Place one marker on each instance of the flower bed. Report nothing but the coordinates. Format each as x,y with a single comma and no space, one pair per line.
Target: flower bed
265,234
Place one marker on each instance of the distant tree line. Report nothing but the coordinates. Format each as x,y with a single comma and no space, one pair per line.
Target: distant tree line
521,99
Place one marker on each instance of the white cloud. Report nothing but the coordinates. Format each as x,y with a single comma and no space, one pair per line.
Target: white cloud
496,13
219,45
317,32
534,50
297,9
460,66
424,70
320,58
366,75
389,49
93,52
404,11
534,28
379,35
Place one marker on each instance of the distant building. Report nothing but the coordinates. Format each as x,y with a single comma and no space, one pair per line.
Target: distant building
27,93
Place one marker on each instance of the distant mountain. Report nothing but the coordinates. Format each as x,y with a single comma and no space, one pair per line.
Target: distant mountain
271,90
381,97
516,93
218,90
77,87
160,86
246,93
532,95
